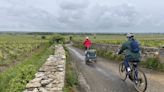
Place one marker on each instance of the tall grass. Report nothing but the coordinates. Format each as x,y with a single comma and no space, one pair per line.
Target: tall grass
71,80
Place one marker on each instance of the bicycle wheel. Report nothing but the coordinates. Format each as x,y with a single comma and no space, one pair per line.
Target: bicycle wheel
122,71
141,84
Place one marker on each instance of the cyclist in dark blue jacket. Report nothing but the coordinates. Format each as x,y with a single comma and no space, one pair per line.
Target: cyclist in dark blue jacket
132,51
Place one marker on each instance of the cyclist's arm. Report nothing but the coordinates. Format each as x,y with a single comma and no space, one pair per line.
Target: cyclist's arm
84,42
123,47
90,43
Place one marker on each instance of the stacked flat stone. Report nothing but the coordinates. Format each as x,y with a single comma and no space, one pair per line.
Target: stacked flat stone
50,77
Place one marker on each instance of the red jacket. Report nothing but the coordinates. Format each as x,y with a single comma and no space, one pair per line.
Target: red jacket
87,43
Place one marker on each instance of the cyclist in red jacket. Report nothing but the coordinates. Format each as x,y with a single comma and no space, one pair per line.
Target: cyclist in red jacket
87,43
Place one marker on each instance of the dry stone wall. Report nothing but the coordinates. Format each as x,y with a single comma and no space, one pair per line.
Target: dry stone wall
50,77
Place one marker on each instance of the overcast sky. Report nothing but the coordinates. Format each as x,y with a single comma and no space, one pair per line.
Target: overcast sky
82,15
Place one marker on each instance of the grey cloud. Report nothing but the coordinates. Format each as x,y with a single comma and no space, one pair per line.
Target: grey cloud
73,5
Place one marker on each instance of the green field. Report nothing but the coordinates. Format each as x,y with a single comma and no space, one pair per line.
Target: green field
149,40
14,47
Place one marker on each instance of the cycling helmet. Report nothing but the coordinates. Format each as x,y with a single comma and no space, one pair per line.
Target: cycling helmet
129,35
87,37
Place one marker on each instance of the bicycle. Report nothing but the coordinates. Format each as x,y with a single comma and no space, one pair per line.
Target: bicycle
140,81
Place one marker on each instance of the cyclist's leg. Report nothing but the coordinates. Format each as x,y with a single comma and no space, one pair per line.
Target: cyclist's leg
88,47
85,50
136,70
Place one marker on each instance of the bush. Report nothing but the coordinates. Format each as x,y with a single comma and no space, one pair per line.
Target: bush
43,37
58,39
152,63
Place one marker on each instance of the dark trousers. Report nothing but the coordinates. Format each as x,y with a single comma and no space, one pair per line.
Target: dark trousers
126,63
87,48
129,59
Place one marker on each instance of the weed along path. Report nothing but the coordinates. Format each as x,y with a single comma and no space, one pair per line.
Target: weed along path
51,76
103,76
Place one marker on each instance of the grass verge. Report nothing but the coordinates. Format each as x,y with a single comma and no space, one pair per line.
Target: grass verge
154,64
71,80
15,78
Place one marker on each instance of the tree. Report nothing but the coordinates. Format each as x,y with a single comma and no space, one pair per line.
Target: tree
43,37
58,39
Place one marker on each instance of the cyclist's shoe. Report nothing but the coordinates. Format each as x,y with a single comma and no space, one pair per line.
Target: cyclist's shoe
128,74
139,82
85,52
136,82
128,70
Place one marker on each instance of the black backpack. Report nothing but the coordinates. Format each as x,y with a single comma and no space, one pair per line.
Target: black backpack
134,45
